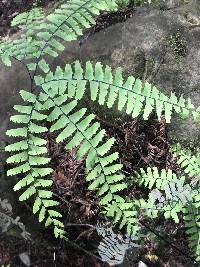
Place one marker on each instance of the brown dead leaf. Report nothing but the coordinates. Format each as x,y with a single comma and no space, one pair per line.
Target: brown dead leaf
60,178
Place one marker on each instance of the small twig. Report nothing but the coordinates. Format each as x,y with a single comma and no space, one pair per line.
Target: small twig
84,250
64,200
79,224
166,241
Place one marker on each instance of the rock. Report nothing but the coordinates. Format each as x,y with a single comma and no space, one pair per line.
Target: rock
144,47
146,50
142,264
24,257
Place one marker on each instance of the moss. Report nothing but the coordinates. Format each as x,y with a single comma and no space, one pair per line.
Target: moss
178,45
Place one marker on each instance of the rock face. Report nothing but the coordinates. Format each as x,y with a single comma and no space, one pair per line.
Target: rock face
159,46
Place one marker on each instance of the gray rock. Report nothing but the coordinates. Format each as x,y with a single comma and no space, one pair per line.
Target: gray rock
24,257
142,264
141,46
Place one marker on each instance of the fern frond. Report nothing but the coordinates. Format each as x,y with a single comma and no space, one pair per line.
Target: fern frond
125,214
177,195
113,247
26,19
44,36
110,89
175,190
192,219
188,162
153,178
79,130
30,154
170,195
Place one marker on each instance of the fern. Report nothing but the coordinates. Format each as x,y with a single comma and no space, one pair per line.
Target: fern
176,190
178,197
113,247
192,219
124,213
151,177
108,89
188,162
25,20
58,102
80,131
30,153
7,221
44,36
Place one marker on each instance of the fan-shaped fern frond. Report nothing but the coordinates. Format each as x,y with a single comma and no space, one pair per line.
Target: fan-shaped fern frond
44,36
30,154
109,89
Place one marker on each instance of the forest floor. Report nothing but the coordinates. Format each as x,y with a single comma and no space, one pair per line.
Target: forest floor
138,146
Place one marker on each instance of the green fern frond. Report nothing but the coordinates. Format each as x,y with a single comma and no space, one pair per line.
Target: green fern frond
153,178
110,89
175,198
188,162
26,19
79,130
124,213
30,154
45,36
192,220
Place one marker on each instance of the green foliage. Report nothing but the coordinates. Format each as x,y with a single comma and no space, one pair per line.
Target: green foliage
25,20
172,195
192,218
58,102
113,247
189,163
110,89
44,35
122,3
30,154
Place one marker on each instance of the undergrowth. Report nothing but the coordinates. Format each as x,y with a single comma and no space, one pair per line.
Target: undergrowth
53,104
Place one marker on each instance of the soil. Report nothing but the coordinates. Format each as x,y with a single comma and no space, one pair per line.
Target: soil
139,143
